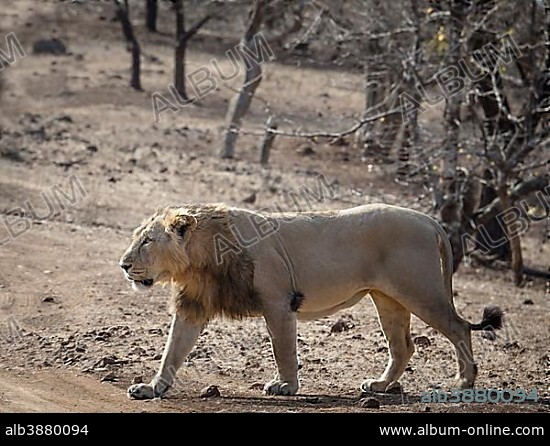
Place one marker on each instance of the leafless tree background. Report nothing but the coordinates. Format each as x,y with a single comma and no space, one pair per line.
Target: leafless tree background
487,62
493,151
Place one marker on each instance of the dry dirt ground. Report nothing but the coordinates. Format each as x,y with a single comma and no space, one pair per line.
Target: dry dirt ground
74,335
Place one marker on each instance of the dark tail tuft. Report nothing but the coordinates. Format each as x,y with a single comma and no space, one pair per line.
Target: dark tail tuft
493,317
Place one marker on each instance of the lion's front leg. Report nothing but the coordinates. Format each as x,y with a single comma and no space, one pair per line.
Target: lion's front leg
281,325
181,339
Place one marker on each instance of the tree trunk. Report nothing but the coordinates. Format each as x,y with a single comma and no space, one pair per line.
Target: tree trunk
123,15
450,210
179,53
135,82
375,83
241,103
182,37
409,138
269,138
151,15
513,239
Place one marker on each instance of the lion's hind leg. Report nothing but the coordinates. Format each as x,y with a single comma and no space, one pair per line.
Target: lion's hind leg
438,312
395,321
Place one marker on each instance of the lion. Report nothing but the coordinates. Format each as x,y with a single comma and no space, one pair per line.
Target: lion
237,263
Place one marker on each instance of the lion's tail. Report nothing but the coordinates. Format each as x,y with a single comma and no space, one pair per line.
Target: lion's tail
493,317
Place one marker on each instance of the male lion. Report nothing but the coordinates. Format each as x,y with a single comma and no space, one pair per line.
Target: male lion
225,261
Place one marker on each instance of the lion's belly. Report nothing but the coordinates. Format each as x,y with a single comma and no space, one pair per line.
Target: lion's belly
327,278
327,307
327,297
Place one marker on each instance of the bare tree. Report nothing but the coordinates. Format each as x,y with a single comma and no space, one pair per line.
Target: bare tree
151,13
493,153
123,15
253,76
511,140
182,37
450,206
411,65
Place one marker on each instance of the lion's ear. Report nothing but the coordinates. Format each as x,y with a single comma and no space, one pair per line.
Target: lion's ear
181,223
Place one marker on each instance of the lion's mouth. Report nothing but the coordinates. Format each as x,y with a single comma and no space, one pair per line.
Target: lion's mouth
145,282
140,283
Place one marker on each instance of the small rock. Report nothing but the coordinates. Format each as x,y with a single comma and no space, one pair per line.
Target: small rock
341,325
137,380
138,351
340,141
369,403
91,148
48,299
109,377
210,392
528,302
49,46
422,341
251,199
427,409
305,151
105,361
64,118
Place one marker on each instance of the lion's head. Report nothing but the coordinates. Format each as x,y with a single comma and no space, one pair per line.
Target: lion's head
176,245
158,251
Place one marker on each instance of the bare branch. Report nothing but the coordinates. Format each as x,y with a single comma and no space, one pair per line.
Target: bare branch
321,134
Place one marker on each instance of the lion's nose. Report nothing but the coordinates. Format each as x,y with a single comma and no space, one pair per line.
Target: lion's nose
125,266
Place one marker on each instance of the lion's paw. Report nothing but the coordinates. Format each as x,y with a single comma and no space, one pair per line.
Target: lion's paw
141,392
276,387
381,386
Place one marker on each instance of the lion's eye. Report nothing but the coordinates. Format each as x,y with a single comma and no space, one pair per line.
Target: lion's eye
146,241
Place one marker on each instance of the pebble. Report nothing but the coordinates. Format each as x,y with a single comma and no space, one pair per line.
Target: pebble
210,392
340,326
109,377
422,341
369,403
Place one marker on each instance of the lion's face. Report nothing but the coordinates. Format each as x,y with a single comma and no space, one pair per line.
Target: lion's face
157,252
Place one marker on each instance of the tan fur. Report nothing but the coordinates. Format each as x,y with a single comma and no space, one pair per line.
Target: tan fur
302,265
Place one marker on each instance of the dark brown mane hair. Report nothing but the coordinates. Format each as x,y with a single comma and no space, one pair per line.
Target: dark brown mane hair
208,287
